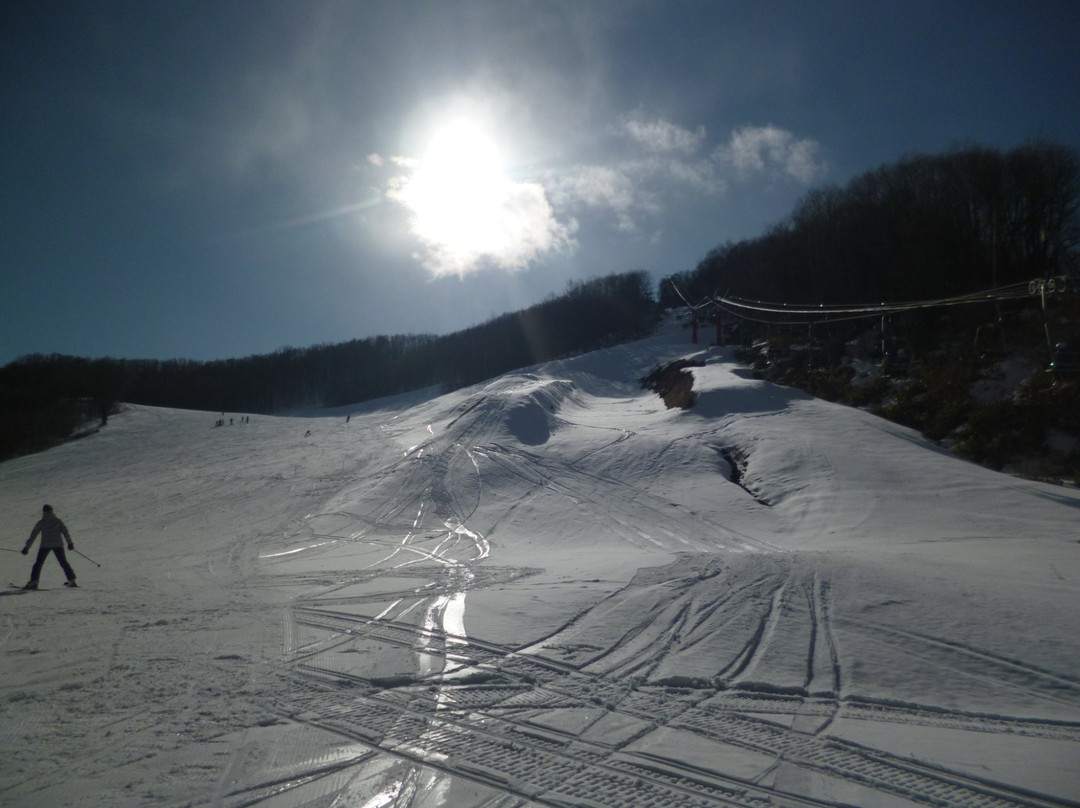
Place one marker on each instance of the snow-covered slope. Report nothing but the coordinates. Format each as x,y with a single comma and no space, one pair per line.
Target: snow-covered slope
543,590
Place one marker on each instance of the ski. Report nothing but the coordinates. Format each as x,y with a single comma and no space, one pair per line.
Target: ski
20,588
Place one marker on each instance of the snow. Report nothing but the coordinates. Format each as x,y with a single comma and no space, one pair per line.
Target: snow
547,589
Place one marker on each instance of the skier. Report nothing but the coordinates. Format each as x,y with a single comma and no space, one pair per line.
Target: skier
53,532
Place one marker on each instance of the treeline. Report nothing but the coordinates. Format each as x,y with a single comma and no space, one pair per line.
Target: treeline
44,399
926,227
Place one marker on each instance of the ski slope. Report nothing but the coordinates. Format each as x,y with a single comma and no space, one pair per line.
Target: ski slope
544,590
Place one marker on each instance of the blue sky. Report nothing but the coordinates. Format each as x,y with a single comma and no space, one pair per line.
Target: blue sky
215,179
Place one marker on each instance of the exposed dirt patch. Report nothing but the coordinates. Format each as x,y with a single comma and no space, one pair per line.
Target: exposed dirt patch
673,383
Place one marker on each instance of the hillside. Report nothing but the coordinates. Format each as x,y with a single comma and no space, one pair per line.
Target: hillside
48,399
939,291
992,390
546,589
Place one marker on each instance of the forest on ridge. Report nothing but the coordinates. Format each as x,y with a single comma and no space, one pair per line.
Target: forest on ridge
927,226
44,399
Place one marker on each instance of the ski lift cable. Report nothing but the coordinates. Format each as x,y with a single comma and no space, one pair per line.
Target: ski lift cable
689,305
1003,292
734,305
741,314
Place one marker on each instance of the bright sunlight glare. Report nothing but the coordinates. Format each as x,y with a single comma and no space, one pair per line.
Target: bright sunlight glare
458,192
467,213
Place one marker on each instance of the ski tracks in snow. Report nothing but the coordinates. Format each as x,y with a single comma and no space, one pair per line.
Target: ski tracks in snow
590,715
729,650
723,673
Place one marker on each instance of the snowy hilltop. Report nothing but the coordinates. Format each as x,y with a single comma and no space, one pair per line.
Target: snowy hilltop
548,589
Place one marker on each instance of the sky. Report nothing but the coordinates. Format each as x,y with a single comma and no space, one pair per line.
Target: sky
206,180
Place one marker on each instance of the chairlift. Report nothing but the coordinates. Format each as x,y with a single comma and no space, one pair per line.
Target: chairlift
989,341
1065,360
896,356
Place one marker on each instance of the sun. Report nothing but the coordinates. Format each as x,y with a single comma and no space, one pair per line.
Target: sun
458,191
467,211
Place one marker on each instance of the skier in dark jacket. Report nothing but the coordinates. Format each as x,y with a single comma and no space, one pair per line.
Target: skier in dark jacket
53,532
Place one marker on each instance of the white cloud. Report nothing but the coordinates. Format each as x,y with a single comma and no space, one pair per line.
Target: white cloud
773,151
521,229
663,163
699,175
468,223
482,218
658,135
598,187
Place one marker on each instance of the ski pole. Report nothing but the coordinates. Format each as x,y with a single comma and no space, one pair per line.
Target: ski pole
88,558
9,550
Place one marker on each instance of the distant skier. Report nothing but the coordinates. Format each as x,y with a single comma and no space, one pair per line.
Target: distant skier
53,532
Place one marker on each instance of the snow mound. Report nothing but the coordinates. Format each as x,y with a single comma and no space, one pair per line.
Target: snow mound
518,408
532,413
